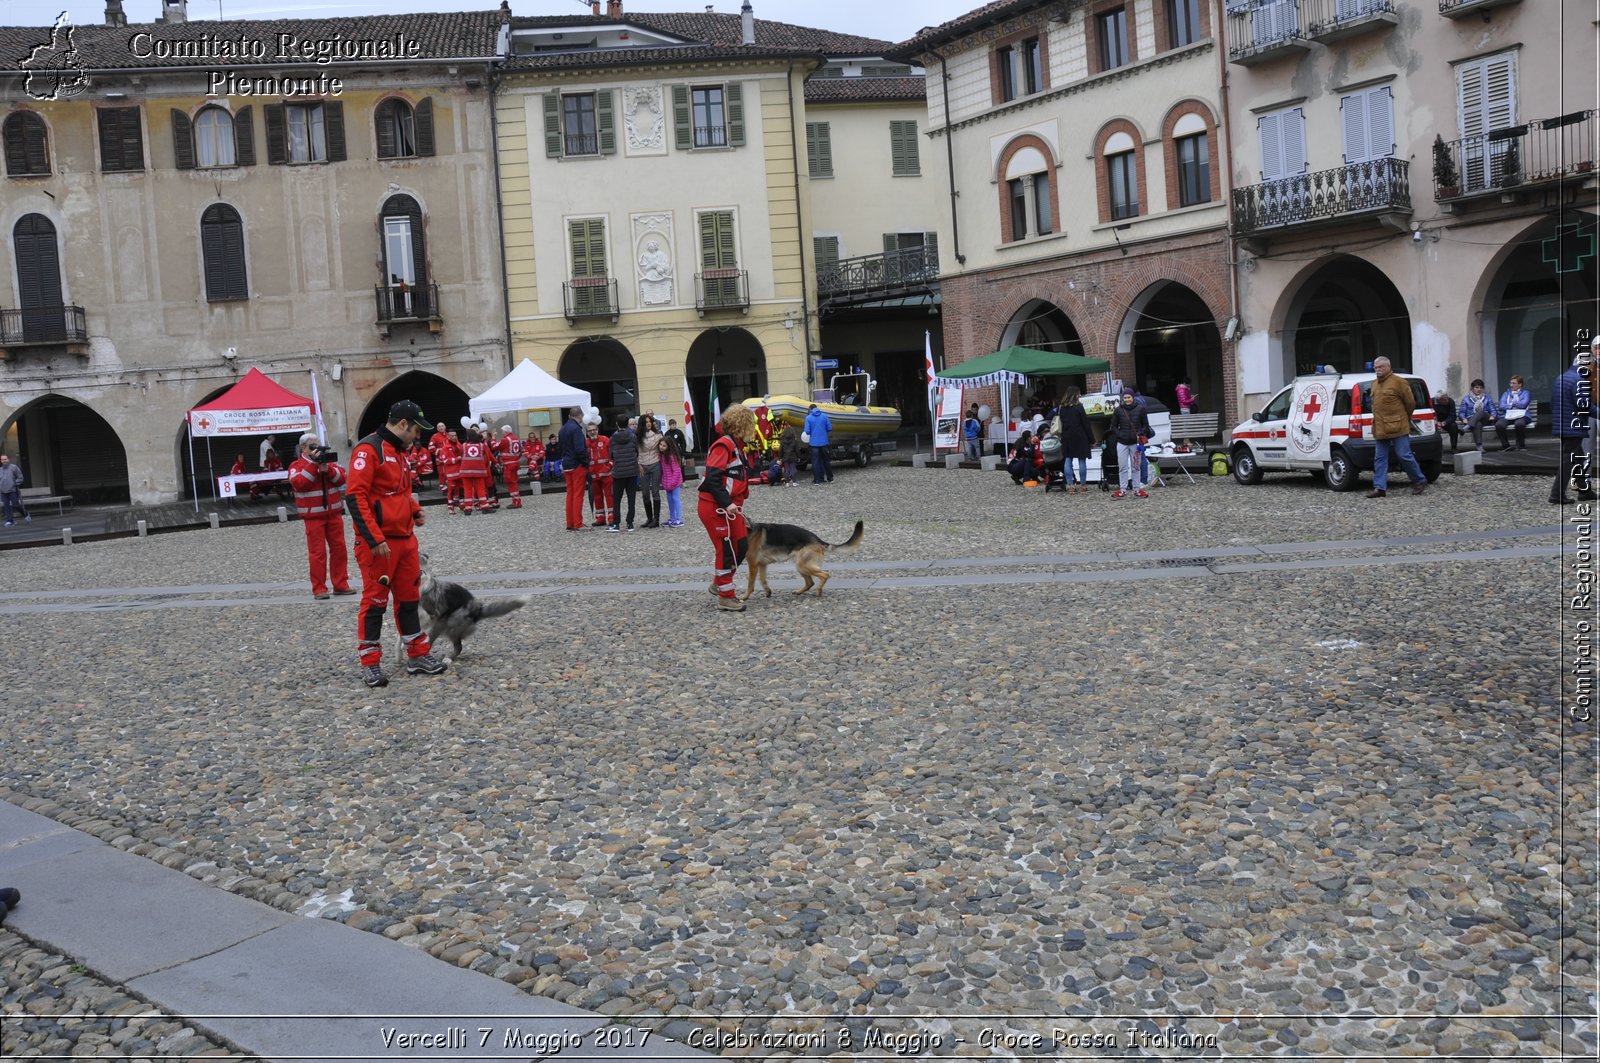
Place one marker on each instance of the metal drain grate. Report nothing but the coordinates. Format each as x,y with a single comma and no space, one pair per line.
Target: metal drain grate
1185,562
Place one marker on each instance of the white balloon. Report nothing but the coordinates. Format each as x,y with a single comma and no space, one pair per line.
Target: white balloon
983,413
466,421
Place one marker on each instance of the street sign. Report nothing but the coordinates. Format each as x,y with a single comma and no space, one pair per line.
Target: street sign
827,363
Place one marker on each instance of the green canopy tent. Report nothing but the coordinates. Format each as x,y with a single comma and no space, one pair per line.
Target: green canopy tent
1013,365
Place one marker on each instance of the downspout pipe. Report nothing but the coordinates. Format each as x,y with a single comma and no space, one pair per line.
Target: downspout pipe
493,85
1219,18
801,221
950,156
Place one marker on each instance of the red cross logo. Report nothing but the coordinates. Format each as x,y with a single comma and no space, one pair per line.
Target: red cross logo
1313,404
204,424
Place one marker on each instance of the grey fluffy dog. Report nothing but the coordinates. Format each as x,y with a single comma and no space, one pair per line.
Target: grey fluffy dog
453,611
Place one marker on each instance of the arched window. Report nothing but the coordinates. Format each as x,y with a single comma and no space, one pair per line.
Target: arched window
1189,149
26,145
222,248
405,261
38,279
404,132
1028,192
1121,156
213,137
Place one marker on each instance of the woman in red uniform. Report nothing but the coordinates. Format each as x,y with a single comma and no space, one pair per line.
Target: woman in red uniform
723,491
474,473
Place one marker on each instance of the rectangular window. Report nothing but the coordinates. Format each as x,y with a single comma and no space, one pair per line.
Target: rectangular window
709,117
1042,213
1194,170
121,140
819,149
397,251
1283,144
580,133
1183,21
591,291
307,140
1368,120
1005,66
903,149
1018,196
1124,180
719,260
826,250
1487,96
1113,32
1032,66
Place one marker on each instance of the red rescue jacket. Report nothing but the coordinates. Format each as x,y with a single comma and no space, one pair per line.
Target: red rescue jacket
318,489
379,498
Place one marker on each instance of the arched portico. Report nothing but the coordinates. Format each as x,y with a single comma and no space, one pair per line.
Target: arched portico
1172,336
1534,297
737,361
66,446
442,401
1344,312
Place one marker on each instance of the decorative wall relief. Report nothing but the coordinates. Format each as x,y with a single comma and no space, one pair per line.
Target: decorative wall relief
644,119
652,244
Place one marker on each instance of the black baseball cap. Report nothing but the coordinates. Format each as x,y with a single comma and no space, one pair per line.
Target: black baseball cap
406,410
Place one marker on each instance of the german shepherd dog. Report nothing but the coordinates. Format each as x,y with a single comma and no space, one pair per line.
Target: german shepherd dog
453,611
779,542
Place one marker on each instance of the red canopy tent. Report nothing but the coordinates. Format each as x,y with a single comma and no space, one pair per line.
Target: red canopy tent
256,405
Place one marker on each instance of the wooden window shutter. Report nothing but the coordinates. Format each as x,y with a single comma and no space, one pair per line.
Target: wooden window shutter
423,118
726,257
1380,123
121,145
1269,130
605,121
588,247
388,146
819,149
244,137
182,140
1353,117
708,240
826,251
903,149
1500,95
132,140
24,134
930,241
38,263
891,243
735,98
222,249
333,127
277,134
682,125
1294,142
552,125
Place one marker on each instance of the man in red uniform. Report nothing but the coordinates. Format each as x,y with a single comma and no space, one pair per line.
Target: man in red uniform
449,462
385,512
508,449
474,473
574,453
599,475
318,485
723,490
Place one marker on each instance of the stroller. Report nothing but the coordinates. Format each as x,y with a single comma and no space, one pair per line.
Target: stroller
1054,459
1109,473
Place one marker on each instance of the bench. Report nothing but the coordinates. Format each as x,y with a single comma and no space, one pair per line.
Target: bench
42,496
1197,426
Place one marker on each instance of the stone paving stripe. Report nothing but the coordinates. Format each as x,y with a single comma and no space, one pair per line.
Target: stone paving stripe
1512,554
1450,537
1328,544
317,989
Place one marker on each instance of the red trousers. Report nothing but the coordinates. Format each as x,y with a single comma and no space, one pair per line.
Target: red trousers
398,576
513,486
452,490
575,481
600,498
728,541
473,495
325,548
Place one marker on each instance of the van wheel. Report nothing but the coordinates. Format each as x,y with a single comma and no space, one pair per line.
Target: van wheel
1432,470
1340,473
1245,469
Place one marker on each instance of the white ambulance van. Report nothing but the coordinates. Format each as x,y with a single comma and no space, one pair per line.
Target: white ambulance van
1323,424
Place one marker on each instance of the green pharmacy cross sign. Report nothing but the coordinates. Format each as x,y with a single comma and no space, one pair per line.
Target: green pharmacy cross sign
1568,249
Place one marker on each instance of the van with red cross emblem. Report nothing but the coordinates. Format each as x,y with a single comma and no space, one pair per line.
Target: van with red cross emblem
1322,423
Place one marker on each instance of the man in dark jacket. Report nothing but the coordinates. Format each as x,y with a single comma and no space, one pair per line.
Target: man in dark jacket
1393,403
1571,420
574,466
1130,426
624,471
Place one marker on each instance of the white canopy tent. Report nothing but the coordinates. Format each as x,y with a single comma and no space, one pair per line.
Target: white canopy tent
527,387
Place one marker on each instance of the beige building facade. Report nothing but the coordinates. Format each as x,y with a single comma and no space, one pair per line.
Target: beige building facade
181,204
1412,178
1080,143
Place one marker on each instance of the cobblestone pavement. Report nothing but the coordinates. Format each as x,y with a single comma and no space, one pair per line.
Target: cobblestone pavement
1136,762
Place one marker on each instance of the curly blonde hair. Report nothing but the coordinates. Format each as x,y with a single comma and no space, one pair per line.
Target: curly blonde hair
739,422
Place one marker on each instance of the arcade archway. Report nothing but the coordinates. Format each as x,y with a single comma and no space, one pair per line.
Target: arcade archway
1537,299
1345,314
606,370
736,360
1045,326
1173,336
442,401
66,446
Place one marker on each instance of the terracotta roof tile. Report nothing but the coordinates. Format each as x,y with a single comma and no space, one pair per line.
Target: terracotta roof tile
845,90
960,26
721,29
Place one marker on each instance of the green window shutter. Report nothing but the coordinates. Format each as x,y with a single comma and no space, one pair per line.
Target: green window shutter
734,95
903,149
424,126
826,251
552,125
589,261
182,140
333,128
244,137
819,149
682,127
605,122
931,242
717,253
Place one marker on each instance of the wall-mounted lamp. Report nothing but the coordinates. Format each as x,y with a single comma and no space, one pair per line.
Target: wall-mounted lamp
1230,331
231,354
337,371
116,95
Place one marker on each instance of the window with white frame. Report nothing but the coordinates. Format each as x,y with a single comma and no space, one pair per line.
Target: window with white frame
1486,91
1122,175
1192,149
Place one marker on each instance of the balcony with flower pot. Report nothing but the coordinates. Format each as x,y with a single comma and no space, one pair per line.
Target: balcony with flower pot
1508,163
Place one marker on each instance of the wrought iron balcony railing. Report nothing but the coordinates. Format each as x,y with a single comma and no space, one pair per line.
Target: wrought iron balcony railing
875,275
722,289
583,297
1463,8
580,143
1332,20
1262,30
38,325
1359,188
1536,152
407,302
710,136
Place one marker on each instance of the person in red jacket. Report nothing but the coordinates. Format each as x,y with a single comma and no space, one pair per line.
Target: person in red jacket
272,464
449,462
318,485
474,473
533,451
385,513
599,475
508,451
723,491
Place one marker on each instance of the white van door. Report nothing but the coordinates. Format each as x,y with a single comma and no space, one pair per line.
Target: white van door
1272,432
1309,417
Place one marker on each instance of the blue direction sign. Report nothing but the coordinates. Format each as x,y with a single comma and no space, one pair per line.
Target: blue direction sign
827,363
